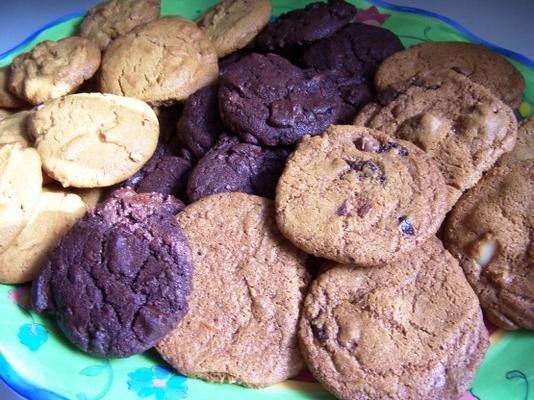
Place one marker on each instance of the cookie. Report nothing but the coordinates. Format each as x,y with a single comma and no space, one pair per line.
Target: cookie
410,330
54,213
4,113
14,129
295,28
161,62
111,19
477,63
200,126
53,69
164,173
90,197
490,232
20,184
269,101
248,287
232,166
94,140
232,24
120,278
350,58
455,120
358,196
8,99
524,146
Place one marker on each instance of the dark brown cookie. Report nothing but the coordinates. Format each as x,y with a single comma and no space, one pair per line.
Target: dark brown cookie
119,279
409,330
269,101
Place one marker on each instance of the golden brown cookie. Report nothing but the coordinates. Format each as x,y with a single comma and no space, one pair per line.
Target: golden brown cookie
248,286
161,62
94,140
357,196
8,99
410,330
524,146
14,129
20,185
455,120
232,24
111,19
479,64
53,69
54,213
490,231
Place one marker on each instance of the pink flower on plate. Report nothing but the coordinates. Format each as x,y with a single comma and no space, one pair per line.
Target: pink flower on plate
21,296
371,16
468,396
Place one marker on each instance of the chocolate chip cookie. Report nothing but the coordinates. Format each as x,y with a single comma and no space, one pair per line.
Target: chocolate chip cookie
477,63
455,120
269,101
490,232
53,69
248,286
232,166
357,196
8,99
410,330
119,280
299,27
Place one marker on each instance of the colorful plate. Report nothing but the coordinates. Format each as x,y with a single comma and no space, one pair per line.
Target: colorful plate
38,363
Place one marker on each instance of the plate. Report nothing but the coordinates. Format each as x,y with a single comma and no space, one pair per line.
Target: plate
38,363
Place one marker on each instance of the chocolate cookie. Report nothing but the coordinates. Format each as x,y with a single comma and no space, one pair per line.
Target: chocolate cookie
455,120
269,101
119,279
524,146
350,57
248,286
232,166
164,173
474,61
490,232
358,196
200,126
410,330
298,27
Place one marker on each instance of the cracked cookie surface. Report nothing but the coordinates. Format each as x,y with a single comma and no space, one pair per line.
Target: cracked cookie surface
248,285
161,62
458,122
94,140
409,330
120,278
358,196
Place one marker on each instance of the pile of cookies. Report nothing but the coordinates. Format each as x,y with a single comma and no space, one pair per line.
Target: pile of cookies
252,196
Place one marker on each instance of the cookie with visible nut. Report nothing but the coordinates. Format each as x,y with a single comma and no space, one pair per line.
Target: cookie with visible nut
490,230
358,196
53,69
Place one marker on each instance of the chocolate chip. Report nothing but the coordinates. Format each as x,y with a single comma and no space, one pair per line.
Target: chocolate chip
319,332
364,207
367,169
342,210
386,96
401,150
406,226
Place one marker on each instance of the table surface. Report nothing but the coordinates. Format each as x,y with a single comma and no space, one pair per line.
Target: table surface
507,24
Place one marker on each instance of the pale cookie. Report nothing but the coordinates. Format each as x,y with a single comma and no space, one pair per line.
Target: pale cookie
411,330
14,129
477,63
114,18
357,196
20,185
248,286
94,140
161,62
54,213
455,120
524,146
490,231
53,69
8,99
4,113
232,24
91,197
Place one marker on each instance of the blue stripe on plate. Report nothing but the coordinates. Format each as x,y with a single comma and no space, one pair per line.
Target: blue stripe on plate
470,35
41,30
